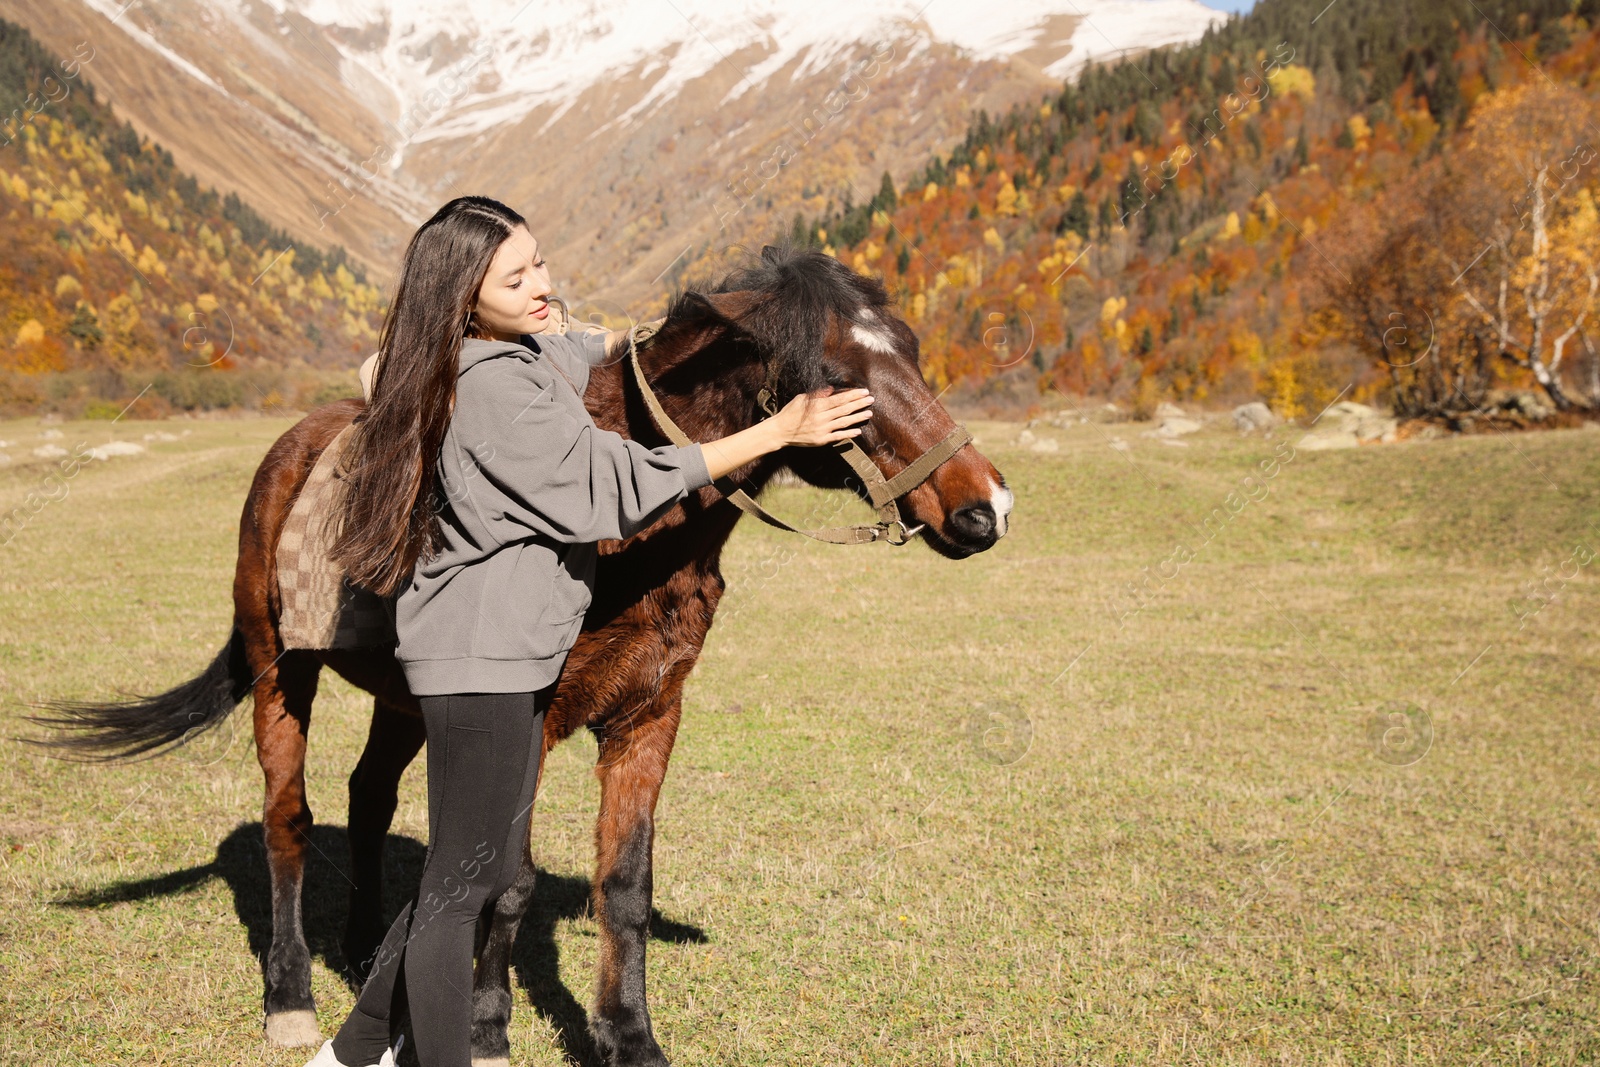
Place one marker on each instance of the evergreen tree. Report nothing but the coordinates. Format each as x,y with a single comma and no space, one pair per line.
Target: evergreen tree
1146,123
886,198
1444,95
1076,217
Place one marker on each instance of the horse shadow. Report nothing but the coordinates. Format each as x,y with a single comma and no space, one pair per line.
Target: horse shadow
241,861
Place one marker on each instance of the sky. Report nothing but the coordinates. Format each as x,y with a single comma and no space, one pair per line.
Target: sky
1230,5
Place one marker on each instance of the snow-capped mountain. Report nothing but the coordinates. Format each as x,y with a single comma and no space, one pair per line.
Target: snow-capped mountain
634,128
520,56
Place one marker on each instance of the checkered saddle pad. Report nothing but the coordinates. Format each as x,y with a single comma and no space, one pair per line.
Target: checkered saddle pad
320,607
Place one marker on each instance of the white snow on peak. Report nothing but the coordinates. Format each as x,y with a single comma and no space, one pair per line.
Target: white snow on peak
458,68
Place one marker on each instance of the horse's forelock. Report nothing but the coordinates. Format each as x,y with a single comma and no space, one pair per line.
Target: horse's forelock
799,293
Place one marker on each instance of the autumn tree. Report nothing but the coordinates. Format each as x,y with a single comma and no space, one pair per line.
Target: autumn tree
1387,280
1529,270
1492,254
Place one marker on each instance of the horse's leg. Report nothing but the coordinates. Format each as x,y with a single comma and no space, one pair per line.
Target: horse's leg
393,741
283,693
631,766
491,985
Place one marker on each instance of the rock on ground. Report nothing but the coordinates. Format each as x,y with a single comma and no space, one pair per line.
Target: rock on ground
1177,426
115,448
1254,416
1037,444
1347,425
1524,402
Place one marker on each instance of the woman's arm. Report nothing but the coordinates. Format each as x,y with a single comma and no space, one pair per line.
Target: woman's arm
813,419
528,459
547,469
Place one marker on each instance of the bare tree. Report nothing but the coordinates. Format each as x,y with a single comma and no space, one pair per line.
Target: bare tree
1391,294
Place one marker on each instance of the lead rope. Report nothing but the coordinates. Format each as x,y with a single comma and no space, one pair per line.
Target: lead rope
883,492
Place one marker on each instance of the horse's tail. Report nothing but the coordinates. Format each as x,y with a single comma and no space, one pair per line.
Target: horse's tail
157,724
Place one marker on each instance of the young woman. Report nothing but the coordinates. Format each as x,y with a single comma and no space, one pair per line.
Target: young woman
478,487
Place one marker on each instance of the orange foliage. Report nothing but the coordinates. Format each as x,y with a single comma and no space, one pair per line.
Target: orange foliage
1222,262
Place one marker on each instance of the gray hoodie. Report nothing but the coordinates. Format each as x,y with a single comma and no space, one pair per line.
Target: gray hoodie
529,484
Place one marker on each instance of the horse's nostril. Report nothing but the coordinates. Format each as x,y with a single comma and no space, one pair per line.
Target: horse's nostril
974,520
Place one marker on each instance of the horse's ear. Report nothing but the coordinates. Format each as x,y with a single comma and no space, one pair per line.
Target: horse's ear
770,253
731,308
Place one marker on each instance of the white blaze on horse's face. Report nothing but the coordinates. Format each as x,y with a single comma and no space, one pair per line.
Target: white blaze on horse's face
869,333
1001,501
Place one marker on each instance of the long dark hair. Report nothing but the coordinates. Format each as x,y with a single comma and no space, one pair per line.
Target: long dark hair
390,515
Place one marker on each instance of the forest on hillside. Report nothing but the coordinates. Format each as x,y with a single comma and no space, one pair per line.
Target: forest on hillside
122,281
1391,201
1388,200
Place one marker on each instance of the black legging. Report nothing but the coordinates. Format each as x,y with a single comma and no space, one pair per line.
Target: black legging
483,767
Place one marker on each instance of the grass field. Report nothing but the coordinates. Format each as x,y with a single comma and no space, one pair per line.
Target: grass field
1324,792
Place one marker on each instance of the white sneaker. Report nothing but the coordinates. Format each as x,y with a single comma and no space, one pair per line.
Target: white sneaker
326,1058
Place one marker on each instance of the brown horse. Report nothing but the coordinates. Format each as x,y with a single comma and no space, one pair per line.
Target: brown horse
802,315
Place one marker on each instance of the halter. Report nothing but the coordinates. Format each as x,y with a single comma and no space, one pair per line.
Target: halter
882,491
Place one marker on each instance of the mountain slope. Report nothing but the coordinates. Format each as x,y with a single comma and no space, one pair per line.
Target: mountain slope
121,278
1181,227
626,128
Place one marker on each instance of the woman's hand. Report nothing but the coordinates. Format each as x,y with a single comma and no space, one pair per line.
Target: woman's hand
822,417
818,418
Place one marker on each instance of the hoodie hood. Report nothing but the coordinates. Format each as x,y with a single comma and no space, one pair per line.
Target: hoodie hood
572,357
474,350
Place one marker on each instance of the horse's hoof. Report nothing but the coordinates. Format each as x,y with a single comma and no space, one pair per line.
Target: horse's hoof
498,1061
628,1044
293,1029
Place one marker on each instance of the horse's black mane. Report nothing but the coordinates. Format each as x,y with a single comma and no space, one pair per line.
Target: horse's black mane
799,289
